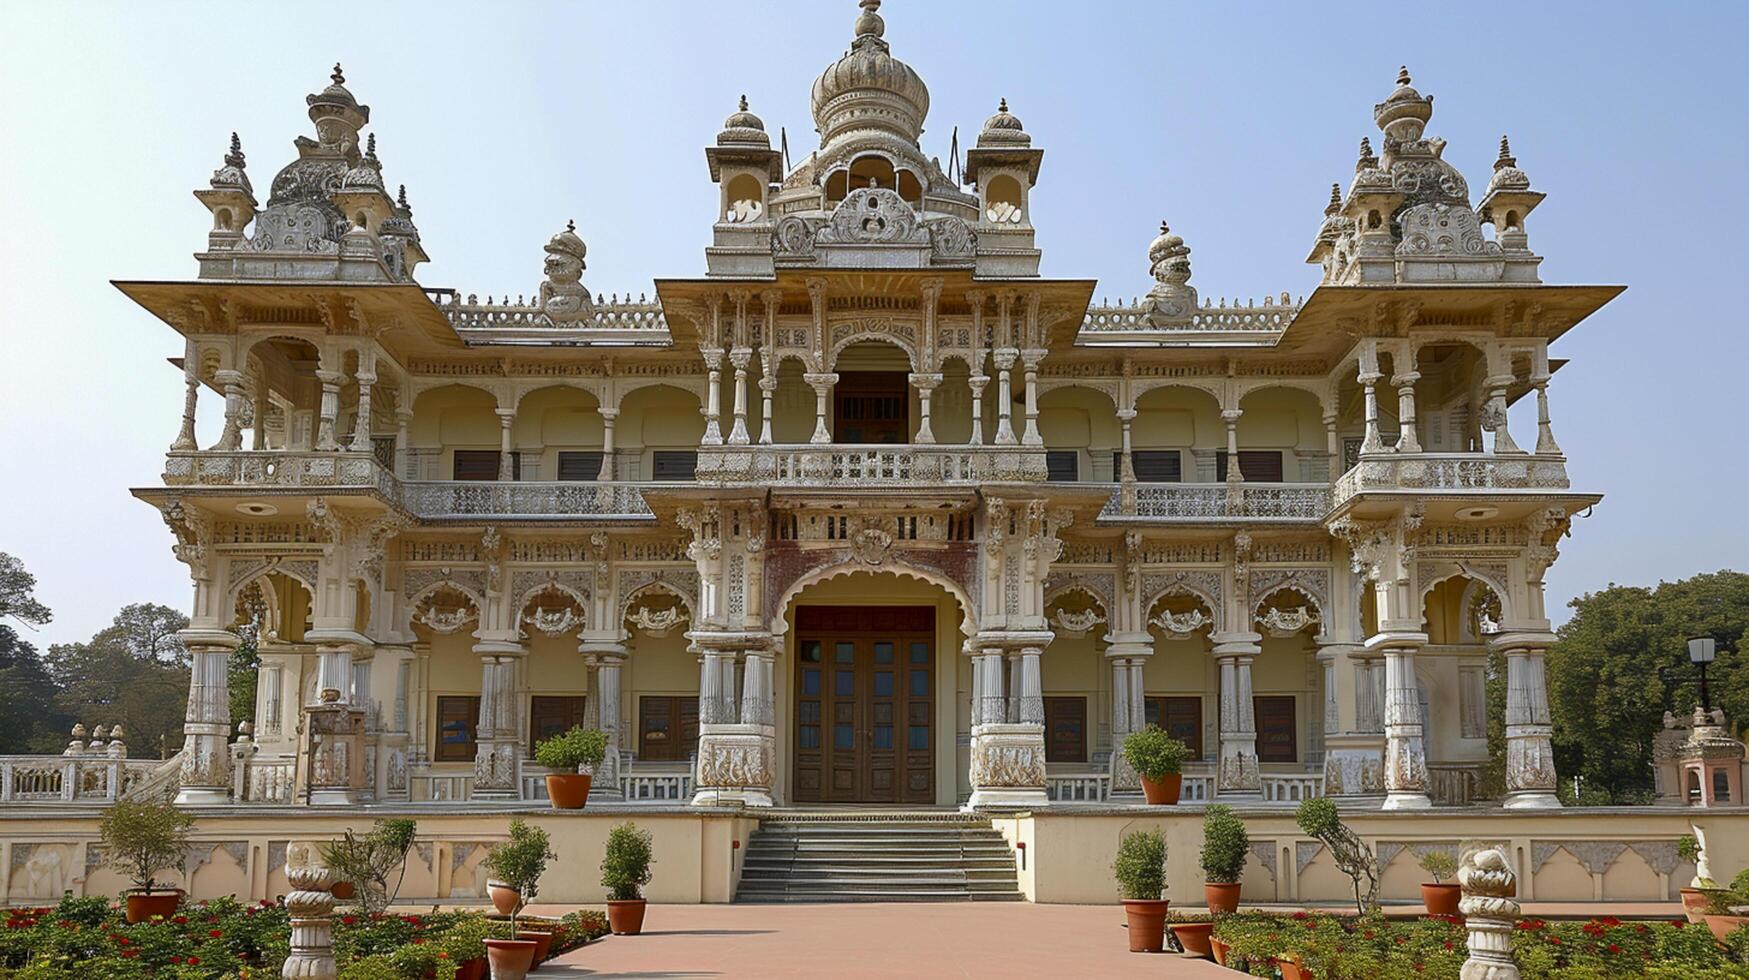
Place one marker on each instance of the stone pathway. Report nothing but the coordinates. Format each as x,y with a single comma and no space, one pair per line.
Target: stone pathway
950,939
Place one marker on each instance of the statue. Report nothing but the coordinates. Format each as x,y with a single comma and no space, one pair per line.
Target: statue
562,296
1173,299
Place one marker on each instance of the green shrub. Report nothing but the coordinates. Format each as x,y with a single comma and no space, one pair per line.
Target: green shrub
1440,864
1317,817
368,861
1225,845
1154,754
142,839
1140,868
625,868
519,862
573,751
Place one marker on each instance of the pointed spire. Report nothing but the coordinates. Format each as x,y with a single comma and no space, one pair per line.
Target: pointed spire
1335,205
235,157
1506,158
570,225
339,77
1002,106
1403,75
1366,160
401,202
370,149
1164,228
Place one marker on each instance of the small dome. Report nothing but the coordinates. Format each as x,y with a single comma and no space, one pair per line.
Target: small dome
567,242
232,174
743,127
868,88
368,175
1507,176
1404,114
337,101
1003,129
1166,245
401,222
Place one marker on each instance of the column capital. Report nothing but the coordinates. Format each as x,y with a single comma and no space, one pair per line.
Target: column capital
1528,641
1405,378
1126,414
608,415
330,377
1400,641
925,382
505,415
226,376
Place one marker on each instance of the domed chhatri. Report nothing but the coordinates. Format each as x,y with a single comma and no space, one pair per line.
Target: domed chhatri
1404,114
868,88
1003,129
743,128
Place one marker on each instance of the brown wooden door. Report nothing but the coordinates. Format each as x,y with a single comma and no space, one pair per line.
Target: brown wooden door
872,406
865,705
1277,732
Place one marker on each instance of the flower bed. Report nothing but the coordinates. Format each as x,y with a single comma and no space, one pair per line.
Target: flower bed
1433,948
87,938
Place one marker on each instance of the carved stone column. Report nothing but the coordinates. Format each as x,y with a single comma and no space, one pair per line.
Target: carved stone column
925,385
231,438
767,388
1490,914
498,736
1530,754
1235,473
1029,361
205,775
361,428
311,904
326,440
1127,653
1405,746
1545,436
739,358
506,461
607,659
1374,442
1031,710
1007,757
1237,773
977,383
713,403
185,441
1494,413
822,385
403,441
736,752
1354,753
1004,360
608,417
1407,441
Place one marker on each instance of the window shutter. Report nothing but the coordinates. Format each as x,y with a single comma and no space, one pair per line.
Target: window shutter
1063,465
1158,466
674,465
579,466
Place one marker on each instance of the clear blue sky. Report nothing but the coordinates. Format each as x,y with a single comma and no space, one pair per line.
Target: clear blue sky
1230,120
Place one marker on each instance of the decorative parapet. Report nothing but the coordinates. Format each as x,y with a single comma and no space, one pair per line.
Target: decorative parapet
838,466
1451,472
611,317
277,469
444,499
1142,317
1221,502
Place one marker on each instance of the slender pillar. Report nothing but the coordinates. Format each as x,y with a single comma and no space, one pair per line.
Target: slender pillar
326,438
1405,747
1374,441
1407,441
822,385
739,358
1494,416
1545,436
506,467
1237,773
403,441
185,441
1332,446
361,428
498,735
1126,470
1530,754
205,775
231,438
607,698
977,383
756,689
1032,700
1231,418
713,404
1004,396
1121,725
730,711
925,385
767,388
608,417
1029,361
1138,694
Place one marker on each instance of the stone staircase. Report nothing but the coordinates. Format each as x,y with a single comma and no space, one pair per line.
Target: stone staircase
926,857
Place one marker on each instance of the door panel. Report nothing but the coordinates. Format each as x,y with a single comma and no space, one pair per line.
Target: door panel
864,705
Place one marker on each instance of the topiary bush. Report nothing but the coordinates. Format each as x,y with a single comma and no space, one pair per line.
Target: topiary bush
1225,845
1440,864
519,862
578,750
625,868
142,839
1140,868
368,860
1154,754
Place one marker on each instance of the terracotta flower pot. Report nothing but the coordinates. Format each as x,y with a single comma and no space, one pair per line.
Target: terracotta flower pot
1724,925
474,969
569,790
1222,897
1220,949
509,959
625,916
142,907
1442,899
1195,938
343,890
1694,904
543,943
1292,968
1162,791
505,898
1147,921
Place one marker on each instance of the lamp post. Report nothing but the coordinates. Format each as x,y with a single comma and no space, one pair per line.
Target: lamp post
1700,652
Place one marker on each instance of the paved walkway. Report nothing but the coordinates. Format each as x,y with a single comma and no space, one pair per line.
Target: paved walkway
951,939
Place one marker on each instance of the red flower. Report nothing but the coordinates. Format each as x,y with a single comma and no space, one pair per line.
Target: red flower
180,920
176,959
1448,944
1610,920
1302,914
1555,939
1614,948
128,954
348,919
194,961
216,933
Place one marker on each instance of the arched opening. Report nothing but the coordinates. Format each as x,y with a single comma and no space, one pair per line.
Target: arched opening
1081,433
1456,671
1181,681
1287,710
1281,438
950,408
872,403
1175,435
1003,203
283,398
1449,398
657,434
868,711
455,435
1076,685
558,435
792,404
744,199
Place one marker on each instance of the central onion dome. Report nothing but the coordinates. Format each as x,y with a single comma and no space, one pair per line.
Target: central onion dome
868,88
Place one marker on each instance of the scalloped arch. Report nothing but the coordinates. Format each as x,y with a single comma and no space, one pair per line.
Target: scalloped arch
632,598
1185,588
968,619
871,335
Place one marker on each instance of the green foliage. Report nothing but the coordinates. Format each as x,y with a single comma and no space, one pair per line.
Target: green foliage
519,862
1317,817
240,674
1688,848
18,593
1225,844
573,750
1140,868
1153,753
1440,864
30,718
1622,661
141,839
133,672
1720,901
368,860
625,868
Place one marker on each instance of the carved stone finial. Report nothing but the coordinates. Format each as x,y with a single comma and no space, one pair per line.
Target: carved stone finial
743,102
1490,912
401,201
1506,159
1002,105
339,77
1403,75
235,157
1335,204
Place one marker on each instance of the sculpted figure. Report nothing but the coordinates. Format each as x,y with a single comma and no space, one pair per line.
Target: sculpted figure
562,295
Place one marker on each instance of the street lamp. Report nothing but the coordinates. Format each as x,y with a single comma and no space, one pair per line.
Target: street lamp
1700,652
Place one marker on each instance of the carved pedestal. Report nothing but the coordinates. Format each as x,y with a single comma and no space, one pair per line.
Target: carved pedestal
1490,914
336,754
1354,765
205,775
1530,750
1008,767
311,905
735,765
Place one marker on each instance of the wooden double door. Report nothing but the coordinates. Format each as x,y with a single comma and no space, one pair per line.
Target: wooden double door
865,704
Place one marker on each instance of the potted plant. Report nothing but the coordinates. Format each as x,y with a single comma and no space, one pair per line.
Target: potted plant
1140,870
1225,847
1440,897
1728,908
366,862
140,840
1194,932
1319,820
1694,897
625,870
516,866
1158,759
572,756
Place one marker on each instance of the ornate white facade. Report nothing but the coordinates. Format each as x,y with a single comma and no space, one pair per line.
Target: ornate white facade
1292,531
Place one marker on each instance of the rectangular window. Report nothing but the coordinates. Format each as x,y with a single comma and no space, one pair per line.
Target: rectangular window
456,718
667,728
1153,465
673,465
482,464
549,716
1472,703
579,466
1062,465
383,449
1277,735
1180,716
1065,729
1255,465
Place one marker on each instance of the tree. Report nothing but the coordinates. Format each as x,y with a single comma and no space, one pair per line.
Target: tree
30,721
1622,661
18,593
148,631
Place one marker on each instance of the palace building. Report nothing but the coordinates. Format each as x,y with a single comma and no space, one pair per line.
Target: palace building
869,512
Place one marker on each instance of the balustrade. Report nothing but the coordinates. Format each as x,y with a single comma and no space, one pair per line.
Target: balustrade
1451,471
1223,502
63,779
869,465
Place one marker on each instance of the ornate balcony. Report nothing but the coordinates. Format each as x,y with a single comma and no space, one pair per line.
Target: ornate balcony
278,470
849,466
1448,473
449,500
1259,502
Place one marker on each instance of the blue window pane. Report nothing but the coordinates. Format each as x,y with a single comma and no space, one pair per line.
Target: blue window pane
846,653
919,683
883,683
883,736
919,736
919,653
883,653
843,736
844,683
809,737
811,682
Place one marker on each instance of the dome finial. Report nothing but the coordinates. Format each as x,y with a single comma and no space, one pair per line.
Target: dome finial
570,224
869,23
1002,105
743,103
235,157
401,200
339,77
1403,75
1505,150
1164,228
1335,199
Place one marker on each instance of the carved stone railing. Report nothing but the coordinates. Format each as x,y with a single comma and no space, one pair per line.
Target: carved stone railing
69,779
1078,787
434,787
1271,317
1454,785
1221,502
610,315
840,466
667,786
1451,472
265,779
1279,788
441,499
277,469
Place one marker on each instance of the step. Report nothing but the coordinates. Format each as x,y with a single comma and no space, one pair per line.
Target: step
877,858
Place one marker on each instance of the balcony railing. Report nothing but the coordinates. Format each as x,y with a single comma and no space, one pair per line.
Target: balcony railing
441,499
848,466
69,779
273,468
1220,502
1450,472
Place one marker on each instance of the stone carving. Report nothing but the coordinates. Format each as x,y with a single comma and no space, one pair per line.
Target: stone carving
1490,913
1264,852
311,904
658,622
1182,624
1203,585
1078,623
562,296
1173,299
1286,622
1007,764
1441,229
445,610
872,215
738,763
952,238
870,545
